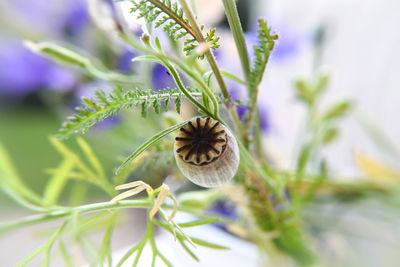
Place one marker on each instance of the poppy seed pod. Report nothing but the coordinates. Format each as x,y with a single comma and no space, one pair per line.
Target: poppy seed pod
206,152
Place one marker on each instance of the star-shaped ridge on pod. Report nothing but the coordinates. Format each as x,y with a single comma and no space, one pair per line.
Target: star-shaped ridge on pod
201,141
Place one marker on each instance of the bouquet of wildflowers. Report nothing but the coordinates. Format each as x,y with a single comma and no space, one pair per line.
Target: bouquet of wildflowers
203,133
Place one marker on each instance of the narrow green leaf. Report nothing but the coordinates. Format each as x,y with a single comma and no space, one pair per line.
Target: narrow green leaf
58,52
68,154
105,249
178,104
57,182
21,201
198,222
127,255
303,160
205,100
207,77
73,56
93,160
11,180
187,249
304,91
65,254
146,58
233,77
330,135
46,247
238,35
143,111
155,138
204,243
337,110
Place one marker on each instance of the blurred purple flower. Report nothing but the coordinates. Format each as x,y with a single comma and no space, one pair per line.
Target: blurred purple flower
107,123
76,17
264,119
223,209
161,78
238,95
125,60
22,71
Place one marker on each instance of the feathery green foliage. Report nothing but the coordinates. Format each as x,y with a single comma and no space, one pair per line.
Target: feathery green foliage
170,16
272,197
104,106
262,52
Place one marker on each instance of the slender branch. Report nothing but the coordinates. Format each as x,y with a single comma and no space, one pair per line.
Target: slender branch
256,168
66,211
174,16
237,32
180,85
214,66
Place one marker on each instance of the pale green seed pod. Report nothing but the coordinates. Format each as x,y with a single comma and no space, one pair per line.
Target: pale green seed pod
206,152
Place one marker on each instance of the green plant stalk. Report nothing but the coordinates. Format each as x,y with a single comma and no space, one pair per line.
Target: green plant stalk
237,32
164,58
256,168
214,67
172,15
252,113
57,183
180,85
46,247
61,212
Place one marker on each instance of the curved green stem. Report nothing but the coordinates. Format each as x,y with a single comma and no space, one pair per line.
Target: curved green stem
180,85
237,32
66,211
214,66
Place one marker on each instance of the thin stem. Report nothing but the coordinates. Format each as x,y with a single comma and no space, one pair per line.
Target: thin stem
161,55
180,85
237,32
66,211
174,16
214,66
256,168
252,113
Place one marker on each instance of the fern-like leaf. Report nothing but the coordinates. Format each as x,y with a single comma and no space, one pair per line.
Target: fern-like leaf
170,16
104,106
262,52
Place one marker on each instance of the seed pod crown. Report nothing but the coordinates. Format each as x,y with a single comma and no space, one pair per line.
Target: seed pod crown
202,142
206,152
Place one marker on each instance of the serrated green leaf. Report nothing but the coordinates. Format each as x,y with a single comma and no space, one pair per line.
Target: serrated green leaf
112,104
178,105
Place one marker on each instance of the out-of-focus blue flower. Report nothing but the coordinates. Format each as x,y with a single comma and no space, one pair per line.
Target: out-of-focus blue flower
22,71
224,209
264,119
76,17
125,60
161,78
238,95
